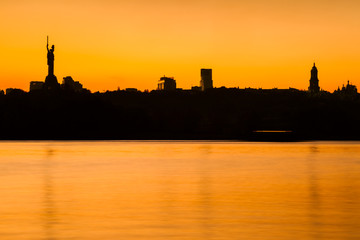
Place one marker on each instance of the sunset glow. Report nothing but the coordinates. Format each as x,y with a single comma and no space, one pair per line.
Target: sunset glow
106,44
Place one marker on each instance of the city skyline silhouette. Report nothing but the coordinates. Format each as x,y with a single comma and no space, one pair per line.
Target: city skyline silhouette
72,112
165,83
256,124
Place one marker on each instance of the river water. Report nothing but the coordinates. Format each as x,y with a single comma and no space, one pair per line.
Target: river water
179,190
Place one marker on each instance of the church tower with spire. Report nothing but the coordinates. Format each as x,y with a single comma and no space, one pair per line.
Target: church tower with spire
314,81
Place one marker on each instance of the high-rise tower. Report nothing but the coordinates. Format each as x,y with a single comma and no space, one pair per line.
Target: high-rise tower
314,81
206,79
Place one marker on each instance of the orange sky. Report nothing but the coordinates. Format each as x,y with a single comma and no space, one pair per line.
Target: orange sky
106,44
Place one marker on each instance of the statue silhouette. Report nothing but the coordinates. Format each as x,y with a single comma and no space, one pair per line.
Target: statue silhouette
50,58
51,80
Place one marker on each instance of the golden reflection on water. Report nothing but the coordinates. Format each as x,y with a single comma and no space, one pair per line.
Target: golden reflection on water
179,190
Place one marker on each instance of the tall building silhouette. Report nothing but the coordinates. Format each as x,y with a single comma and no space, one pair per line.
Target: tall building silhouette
206,79
314,81
51,82
167,84
69,84
36,85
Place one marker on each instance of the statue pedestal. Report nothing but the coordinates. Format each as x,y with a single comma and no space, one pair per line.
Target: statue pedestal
51,83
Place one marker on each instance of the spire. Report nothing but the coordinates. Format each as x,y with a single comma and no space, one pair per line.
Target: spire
314,68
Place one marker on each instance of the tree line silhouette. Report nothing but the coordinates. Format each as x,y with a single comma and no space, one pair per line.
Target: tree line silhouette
237,114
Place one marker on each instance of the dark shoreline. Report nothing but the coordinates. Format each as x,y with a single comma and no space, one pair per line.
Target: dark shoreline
217,114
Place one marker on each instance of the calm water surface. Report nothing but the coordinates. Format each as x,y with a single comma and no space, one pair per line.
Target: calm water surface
179,190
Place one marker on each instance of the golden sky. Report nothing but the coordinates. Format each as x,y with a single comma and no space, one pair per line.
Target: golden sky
106,44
